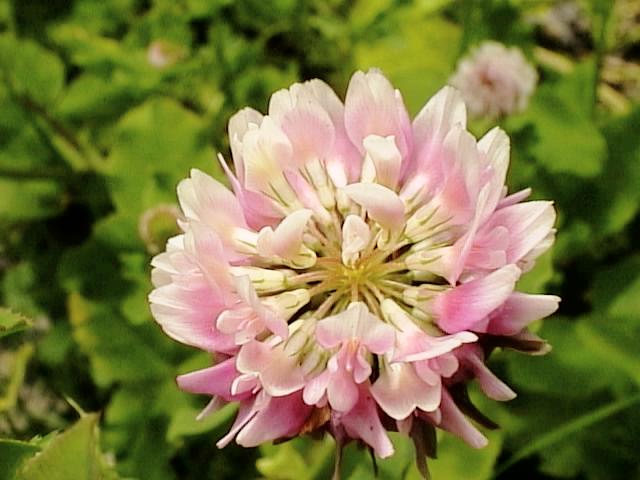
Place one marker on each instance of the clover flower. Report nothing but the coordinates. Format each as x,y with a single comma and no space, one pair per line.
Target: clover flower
495,80
360,272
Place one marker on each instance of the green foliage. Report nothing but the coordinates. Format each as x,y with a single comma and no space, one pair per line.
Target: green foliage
11,322
457,461
71,454
13,453
95,133
418,54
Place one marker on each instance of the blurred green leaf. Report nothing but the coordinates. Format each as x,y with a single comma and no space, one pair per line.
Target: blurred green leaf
103,17
617,188
568,370
13,453
95,99
300,458
156,146
18,366
458,460
364,12
184,423
566,141
30,69
417,57
285,464
98,52
29,199
117,352
613,346
12,322
616,289
136,432
569,428
206,8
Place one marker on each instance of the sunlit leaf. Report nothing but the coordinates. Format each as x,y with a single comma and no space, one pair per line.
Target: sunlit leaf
72,454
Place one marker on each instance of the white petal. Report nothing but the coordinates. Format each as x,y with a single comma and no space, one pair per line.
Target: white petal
382,204
386,159
399,391
355,237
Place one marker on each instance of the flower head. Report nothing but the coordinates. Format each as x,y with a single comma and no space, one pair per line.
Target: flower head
361,270
495,80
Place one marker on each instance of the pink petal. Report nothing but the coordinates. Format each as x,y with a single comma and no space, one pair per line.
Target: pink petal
359,365
247,383
247,293
382,204
308,195
356,323
286,240
489,250
528,224
373,107
206,200
343,162
304,121
259,210
455,422
266,153
248,409
463,306
461,183
239,125
446,365
519,311
315,389
342,391
426,373
442,112
496,147
282,417
364,423
214,380
188,315
412,343
399,391
515,198
279,373
491,385
416,346
462,248
211,255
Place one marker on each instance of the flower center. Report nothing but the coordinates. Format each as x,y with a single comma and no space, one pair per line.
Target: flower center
374,271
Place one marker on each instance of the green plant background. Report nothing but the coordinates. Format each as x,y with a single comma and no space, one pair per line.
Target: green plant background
93,135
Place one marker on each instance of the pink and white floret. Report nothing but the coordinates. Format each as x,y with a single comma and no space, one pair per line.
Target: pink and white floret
360,270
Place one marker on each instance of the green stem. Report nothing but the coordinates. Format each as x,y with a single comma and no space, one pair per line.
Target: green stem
603,14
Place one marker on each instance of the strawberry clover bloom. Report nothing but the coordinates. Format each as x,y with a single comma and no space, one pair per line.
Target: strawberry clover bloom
495,80
359,272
